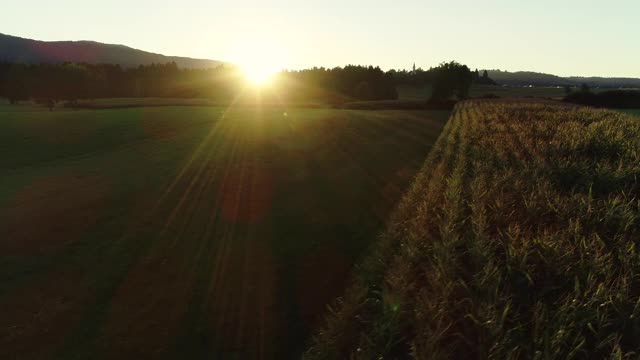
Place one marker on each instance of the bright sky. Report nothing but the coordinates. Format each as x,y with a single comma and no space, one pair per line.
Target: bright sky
563,37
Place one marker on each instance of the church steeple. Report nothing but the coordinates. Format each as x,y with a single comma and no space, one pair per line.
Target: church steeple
414,67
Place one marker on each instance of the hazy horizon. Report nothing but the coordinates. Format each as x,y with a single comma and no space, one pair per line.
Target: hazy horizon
542,37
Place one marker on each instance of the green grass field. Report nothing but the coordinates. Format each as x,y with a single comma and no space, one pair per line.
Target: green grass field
189,232
518,239
631,111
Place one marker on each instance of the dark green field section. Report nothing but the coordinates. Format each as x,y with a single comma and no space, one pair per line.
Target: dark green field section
518,240
635,112
406,92
190,232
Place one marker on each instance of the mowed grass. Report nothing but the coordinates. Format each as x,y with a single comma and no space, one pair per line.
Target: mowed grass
189,232
518,239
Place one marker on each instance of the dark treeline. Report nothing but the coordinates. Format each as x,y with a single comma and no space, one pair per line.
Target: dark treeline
355,82
70,82
620,99
420,77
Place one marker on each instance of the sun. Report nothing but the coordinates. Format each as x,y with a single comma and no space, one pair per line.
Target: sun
259,61
258,73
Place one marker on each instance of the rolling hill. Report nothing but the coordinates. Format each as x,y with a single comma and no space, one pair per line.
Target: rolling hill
526,78
17,49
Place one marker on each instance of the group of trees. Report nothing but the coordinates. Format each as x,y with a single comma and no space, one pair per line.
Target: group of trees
482,80
619,99
353,82
69,82
420,77
416,77
451,80
448,80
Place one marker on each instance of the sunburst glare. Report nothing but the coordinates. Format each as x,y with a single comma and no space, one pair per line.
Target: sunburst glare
259,61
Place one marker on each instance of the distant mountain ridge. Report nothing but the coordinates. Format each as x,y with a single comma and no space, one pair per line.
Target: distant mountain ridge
17,49
526,78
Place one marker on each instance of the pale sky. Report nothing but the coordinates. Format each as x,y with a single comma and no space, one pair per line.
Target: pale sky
563,37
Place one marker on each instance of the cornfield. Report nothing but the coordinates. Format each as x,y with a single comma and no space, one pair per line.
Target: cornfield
518,239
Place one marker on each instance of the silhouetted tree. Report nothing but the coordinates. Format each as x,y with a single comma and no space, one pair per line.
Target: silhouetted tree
363,91
452,79
17,83
568,89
